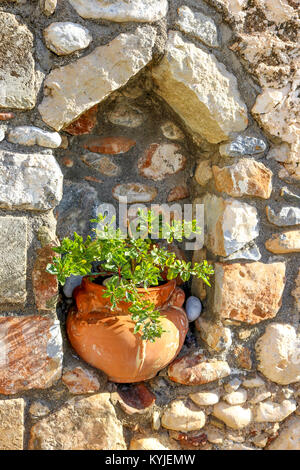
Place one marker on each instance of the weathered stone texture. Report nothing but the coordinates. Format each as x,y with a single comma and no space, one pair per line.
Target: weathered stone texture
284,242
200,90
73,89
17,74
134,192
13,259
63,38
30,353
249,292
31,135
235,417
160,161
11,424
289,437
197,25
45,285
81,424
80,380
29,181
182,416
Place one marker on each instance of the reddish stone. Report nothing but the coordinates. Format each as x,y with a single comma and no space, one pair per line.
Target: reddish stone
161,160
177,193
45,286
190,440
68,162
85,123
135,398
80,380
109,145
30,353
5,116
93,179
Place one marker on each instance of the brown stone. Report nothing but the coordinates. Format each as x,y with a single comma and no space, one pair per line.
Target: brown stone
103,164
249,292
190,441
177,193
243,357
296,291
45,286
284,242
203,172
11,424
109,145
134,192
244,178
135,398
215,335
196,369
5,116
81,424
85,123
93,179
79,380
68,162
161,160
31,353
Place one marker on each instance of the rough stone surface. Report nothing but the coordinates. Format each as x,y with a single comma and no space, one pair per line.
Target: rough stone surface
30,135
126,115
177,193
101,163
235,417
203,172
17,74
30,353
269,411
195,369
205,398
29,181
157,441
215,335
73,89
80,380
200,90
121,10
81,424
197,25
45,285
251,252
11,424
160,161
13,259
284,242
171,131
245,178
296,291
134,192
286,216
84,124
63,38
242,145
249,292
229,224
253,383
182,416
48,6
289,438
236,398
278,354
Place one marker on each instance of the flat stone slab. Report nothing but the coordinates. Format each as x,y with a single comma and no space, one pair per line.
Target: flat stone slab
29,181
17,74
11,424
13,259
30,353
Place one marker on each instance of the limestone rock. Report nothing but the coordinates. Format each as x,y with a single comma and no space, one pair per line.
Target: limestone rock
126,115
81,424
30,135
236,398
249,292
242,145
180,416
121,10
229,224
289,437
296,291
274,412
284,242
215,335
286,216
63,38
13,259
235,417
29,181
17,74
245,178
196,369
200,90
134,192
80,380
171,131
203,172
45,285
233,385
205,398
253,383
250,252
73,89
197,25
159,441
11,424
160,161
48,6
278,354
31,353
101,163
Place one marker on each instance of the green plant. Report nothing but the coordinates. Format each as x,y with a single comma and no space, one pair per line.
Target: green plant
131,262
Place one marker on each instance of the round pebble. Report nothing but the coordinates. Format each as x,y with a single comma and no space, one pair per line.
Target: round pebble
70,284
193,308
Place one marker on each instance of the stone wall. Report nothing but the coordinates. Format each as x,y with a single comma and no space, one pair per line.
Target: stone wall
163,101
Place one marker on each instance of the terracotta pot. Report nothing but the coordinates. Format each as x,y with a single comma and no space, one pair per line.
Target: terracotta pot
105,338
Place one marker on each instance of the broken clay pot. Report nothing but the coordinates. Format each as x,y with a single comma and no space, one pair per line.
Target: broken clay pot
105,338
